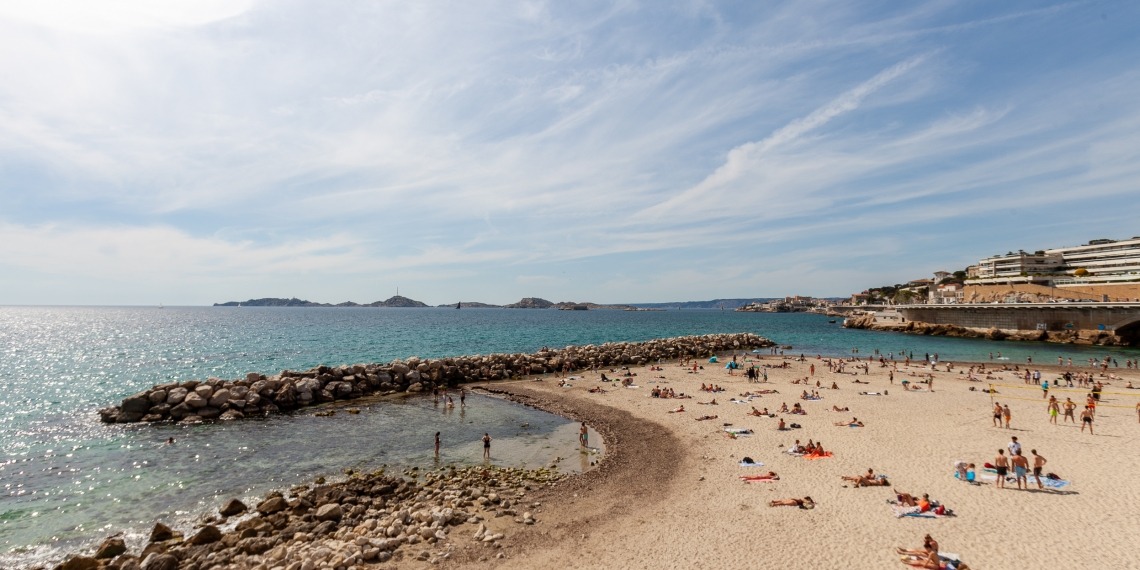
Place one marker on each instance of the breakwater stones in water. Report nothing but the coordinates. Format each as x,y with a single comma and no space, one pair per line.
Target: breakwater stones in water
257,394
366,519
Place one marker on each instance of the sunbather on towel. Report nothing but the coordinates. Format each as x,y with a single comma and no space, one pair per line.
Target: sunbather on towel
703,418
680,409
853,423
804,503
769,476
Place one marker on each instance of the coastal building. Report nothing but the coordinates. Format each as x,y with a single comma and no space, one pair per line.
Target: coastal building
1101,261
1019,267
946,294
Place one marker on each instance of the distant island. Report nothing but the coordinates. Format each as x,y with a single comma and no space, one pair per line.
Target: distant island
395,301
524,303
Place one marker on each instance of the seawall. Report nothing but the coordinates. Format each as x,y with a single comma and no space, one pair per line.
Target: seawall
894,323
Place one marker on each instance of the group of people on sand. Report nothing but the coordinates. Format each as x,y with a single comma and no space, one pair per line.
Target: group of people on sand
1019,464
659,392
868,479
711,388
812,449
812,396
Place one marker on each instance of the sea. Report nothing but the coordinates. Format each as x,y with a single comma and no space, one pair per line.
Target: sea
69,481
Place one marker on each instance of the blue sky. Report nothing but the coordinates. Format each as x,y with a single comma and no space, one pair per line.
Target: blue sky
188,152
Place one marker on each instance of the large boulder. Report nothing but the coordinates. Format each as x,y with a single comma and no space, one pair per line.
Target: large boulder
204,390
176,395
272,505
206,535
111,548
139,403
161,533
160,562
219,398
157,397
329,512
232,507
79,563
195,400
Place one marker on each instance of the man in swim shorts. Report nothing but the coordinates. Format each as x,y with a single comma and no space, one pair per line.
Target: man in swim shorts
1001,463
1038,463
1020,468
1070,407
1054,409
1087,420
997,414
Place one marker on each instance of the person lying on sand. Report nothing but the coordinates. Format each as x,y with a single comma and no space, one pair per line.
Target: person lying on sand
853,423
680,409
703,418
869,479
928,543
838,409
769,476
597,390
712,403
804,503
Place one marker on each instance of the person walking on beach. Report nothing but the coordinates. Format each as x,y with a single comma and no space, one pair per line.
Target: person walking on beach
437,444
1005,413
462,398
1038,463
997,414
486,446
1014,447
584,436
1001,464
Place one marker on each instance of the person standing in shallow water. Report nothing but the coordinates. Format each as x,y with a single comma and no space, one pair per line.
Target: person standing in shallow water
584,436
486,445
437,444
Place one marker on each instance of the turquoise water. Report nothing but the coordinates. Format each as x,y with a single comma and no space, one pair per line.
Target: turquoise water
68,479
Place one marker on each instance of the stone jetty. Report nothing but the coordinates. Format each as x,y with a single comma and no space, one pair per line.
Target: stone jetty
260,395
369,518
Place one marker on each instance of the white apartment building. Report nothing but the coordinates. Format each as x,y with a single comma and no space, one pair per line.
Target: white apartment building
1103,261
1020,267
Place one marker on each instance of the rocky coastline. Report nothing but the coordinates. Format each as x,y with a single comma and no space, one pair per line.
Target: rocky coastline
260,395
1085,337
369,518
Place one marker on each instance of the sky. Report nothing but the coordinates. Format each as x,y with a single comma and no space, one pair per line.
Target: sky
188,152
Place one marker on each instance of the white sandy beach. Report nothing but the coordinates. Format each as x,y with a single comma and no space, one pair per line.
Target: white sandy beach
682,504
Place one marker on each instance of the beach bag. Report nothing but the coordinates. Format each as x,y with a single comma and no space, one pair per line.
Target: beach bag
747,460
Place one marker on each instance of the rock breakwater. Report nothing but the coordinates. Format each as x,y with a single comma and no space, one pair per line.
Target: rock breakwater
260,395
367,519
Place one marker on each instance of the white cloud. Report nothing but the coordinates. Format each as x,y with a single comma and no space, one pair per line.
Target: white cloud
455,145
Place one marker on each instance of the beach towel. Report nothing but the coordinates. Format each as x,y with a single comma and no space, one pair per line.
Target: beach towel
915,512
817,456
738,430
990,476
754,464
